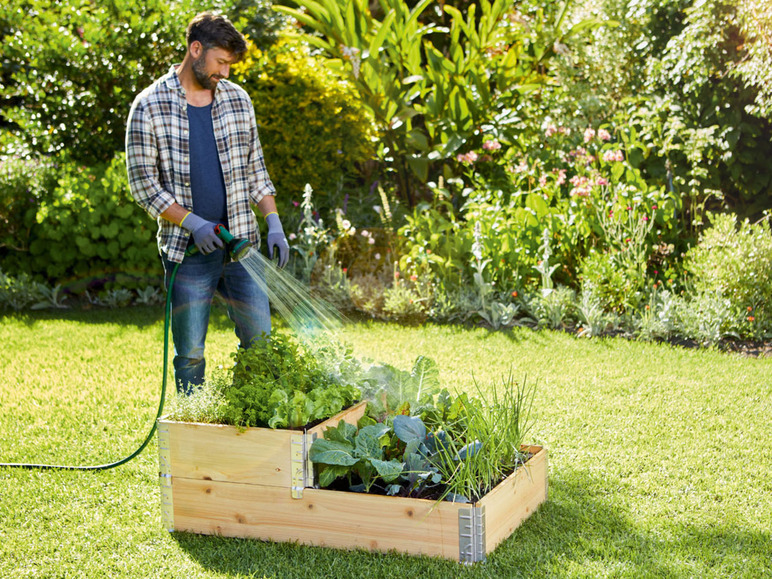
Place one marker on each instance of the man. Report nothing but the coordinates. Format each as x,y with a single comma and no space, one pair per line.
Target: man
194,160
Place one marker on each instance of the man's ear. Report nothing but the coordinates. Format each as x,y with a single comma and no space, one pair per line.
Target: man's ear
196,48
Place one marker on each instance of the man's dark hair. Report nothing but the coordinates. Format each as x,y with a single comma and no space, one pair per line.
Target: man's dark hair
216,31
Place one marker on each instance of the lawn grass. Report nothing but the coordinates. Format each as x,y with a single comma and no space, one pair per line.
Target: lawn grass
659,460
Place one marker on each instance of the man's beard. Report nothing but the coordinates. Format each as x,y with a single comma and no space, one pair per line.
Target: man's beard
199,72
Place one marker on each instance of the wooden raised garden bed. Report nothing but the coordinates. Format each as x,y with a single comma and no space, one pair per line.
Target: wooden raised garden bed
256,483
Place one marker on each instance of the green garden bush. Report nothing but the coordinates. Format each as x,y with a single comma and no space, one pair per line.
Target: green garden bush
312,129
24,183
82,229
734,260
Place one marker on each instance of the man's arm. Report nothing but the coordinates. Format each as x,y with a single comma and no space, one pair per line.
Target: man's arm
260,184
142,163
175,213
267,205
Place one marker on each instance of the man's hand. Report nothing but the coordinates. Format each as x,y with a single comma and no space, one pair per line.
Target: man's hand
204,237
277,239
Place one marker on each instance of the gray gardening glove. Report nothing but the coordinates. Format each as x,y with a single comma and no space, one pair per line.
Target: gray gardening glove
204,237
277,239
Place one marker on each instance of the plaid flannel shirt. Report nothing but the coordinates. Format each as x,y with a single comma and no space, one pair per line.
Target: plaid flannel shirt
157,158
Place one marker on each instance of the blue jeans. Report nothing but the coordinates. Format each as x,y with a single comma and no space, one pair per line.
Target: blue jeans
198,278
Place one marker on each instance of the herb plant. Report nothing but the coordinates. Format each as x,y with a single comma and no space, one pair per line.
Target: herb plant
277,382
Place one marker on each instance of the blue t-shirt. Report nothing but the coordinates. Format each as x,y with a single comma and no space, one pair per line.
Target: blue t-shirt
206,180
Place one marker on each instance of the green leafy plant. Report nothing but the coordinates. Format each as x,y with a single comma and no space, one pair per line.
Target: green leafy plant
657,319
85,232
149,296
17,292
277,382
427,445
735,260
705,317
391,390
429,88
206,404
593,318
347,451
553,308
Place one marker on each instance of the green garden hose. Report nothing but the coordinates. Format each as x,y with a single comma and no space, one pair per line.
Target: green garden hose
134,454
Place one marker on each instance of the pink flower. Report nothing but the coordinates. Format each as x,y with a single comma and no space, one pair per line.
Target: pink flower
589,135
413,277
522,167
543,180
492,145
601,181
469,157
604,135
561,177
551,130
579,152
613,156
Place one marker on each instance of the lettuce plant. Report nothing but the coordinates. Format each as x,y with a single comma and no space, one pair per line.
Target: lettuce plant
277,382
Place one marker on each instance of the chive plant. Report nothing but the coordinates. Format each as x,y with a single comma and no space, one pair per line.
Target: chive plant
491,431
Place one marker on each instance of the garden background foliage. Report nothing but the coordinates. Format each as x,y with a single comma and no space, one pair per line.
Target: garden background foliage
600,165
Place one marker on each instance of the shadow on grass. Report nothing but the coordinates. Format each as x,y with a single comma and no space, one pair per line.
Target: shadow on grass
579,533
575,533
135,316
132,316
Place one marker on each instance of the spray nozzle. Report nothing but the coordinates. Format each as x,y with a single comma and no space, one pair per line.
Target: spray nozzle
236,247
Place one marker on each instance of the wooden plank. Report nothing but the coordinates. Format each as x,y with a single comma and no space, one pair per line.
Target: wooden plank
350,415
224,453
227,453
515,499
322,517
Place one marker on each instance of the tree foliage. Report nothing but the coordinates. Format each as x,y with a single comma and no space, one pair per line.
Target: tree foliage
73,69
434,90
689,76
70,70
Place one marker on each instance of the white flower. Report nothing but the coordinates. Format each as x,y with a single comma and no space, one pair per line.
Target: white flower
292,236
477,246
365,233
377,256
377,209
345,224
371,241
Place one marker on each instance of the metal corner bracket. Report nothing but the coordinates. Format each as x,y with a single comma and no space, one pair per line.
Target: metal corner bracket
471,534
165,476
302,468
